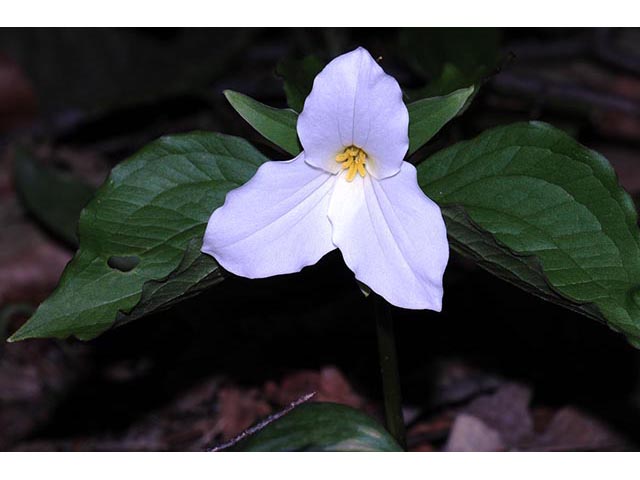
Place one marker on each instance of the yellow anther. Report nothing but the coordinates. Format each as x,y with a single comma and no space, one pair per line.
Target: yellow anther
353,159
342,157
347,163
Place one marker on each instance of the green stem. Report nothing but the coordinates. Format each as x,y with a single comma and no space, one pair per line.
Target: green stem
389,370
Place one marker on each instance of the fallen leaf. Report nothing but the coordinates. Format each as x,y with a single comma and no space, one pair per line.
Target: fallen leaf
329,384
422,436
17,98
506,411
572,429
34,377
29,268
470,434
238,410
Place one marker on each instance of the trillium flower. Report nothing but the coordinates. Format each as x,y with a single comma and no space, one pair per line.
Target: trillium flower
349,189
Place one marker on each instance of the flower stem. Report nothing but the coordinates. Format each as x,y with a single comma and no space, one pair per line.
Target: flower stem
389,370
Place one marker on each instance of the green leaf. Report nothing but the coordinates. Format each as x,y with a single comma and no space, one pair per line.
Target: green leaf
149,211
429,115
298,78
54,198
450,80
195,273
538,209
275,124
322,427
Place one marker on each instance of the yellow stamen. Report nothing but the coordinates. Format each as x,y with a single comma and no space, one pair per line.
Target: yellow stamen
353,159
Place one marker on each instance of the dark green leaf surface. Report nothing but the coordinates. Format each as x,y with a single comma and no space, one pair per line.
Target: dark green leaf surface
196,273
275,124
429,115
52,197
450,80
298,78
151,208
322,427
540,210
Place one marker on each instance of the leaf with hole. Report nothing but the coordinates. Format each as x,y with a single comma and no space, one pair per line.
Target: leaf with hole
195,273
321,427
538,209
149,211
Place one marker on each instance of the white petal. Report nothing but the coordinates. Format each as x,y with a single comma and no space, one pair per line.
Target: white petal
274,224
353,102
392,237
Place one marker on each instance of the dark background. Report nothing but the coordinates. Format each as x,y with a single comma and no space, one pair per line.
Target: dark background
496,370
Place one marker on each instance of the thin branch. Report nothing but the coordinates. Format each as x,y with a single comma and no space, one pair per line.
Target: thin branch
260,425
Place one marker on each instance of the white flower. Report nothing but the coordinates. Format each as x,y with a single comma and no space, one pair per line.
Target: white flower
349,189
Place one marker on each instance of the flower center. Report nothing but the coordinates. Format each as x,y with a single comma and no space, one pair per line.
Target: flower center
353,160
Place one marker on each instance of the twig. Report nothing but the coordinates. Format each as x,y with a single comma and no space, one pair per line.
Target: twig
260,425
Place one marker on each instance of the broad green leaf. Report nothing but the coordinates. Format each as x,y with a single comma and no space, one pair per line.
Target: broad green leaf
538,209
298,78
324,427
54,198
136,230
275,124
429,115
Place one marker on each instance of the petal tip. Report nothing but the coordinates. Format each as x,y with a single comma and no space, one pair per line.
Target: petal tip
433,304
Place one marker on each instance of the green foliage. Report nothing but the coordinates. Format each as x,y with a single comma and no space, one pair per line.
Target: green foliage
525,201
195,273
152,209
429,115
450,58
140,236
450,80
54,198
538,209
276,125
298,78
322,427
